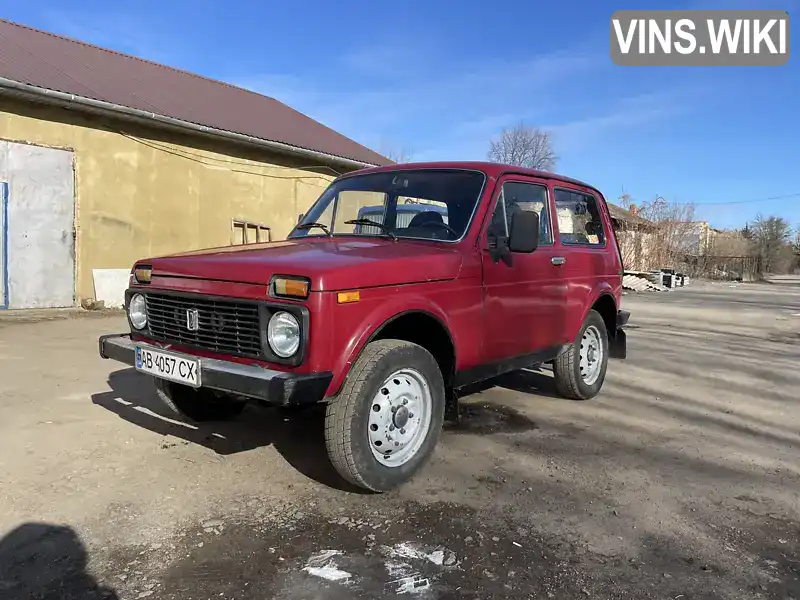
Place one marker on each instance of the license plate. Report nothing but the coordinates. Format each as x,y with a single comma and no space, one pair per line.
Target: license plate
168,366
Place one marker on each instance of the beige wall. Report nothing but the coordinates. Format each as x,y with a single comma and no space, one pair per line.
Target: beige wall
637,249
350,202
135,198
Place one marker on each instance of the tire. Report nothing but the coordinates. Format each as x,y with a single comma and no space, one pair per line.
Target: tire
578,380
198,405
398,378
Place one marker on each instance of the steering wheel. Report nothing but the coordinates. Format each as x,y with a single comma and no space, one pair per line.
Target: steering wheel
441,224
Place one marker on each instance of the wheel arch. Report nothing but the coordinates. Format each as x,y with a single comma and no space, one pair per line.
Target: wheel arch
416,325
606,306
412,326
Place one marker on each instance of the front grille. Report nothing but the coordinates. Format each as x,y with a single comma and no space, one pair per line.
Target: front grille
224,326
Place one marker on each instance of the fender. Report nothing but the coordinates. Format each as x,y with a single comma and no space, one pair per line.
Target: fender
602,289
382,315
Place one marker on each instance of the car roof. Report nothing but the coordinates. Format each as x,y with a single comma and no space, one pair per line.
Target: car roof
491,169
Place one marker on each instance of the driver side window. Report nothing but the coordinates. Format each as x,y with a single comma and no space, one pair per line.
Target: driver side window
518,196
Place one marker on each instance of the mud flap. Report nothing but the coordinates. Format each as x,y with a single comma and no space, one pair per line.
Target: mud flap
451,408
618,345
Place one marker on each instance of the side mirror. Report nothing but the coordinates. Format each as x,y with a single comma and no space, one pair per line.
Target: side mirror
524,232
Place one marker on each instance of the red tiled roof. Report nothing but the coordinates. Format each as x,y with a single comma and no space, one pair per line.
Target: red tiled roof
52,62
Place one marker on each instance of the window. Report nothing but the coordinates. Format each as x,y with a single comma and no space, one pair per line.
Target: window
408,208
431,204
245,232
405,211
358,204
516,196
579,219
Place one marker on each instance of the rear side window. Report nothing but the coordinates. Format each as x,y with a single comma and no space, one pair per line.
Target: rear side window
517,196
579,221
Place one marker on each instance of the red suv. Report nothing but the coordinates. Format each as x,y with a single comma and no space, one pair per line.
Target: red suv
400,286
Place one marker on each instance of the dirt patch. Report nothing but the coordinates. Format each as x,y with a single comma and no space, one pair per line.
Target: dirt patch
388,548
487,419
13,317
678,481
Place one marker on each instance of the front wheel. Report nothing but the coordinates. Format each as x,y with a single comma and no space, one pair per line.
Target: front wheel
384,425
581,370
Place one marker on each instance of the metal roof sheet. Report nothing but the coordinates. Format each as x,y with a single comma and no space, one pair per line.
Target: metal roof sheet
53,62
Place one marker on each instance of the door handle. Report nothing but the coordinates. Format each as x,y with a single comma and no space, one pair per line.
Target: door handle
558,260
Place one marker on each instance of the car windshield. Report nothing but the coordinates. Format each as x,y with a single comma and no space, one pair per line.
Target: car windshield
433,204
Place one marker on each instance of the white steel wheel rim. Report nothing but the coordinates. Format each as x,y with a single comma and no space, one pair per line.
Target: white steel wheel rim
591,354
399,417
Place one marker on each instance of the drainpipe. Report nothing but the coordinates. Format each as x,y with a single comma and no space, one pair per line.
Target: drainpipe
109,108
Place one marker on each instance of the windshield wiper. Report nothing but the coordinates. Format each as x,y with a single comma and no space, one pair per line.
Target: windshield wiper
387,230
305,226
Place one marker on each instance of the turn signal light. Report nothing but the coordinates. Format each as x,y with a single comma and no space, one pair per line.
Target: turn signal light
346,297
290,287
143,274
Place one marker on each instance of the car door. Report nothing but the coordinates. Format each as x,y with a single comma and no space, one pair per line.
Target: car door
522,291
582,241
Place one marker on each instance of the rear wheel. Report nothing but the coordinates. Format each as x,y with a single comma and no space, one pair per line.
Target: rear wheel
198,405
581,370
384,425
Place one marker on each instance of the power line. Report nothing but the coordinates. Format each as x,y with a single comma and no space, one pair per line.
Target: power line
247,163
726,203
795,195
191,156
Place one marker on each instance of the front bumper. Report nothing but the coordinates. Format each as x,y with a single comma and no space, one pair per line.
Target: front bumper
274,387
618,343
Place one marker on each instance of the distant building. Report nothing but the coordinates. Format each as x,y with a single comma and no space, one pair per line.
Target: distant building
106,158
635,237
700,237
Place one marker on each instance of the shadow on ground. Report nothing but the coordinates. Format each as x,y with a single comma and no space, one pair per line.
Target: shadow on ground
42,562
298,434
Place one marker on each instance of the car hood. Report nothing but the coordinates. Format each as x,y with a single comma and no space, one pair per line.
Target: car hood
331,263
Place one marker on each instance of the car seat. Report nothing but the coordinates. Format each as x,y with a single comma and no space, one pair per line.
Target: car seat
428,216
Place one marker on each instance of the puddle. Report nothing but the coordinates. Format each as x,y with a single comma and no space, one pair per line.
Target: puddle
485,418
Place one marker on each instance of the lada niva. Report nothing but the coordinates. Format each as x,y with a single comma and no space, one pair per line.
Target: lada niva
400,286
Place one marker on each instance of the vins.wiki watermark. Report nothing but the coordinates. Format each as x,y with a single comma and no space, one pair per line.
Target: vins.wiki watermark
700,37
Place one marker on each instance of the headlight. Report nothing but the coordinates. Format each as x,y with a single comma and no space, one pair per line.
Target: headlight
136,312
283,334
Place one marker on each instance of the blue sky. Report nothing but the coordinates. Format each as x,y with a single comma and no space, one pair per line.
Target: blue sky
439,79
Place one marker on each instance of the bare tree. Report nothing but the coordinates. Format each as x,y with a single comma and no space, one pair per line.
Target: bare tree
730,243
675,233
796,244
397,154
771,237
525,147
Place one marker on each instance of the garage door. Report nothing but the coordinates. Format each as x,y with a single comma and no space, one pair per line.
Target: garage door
39,242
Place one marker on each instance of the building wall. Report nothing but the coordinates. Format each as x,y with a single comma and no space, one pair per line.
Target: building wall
637,249
699,237
143,192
